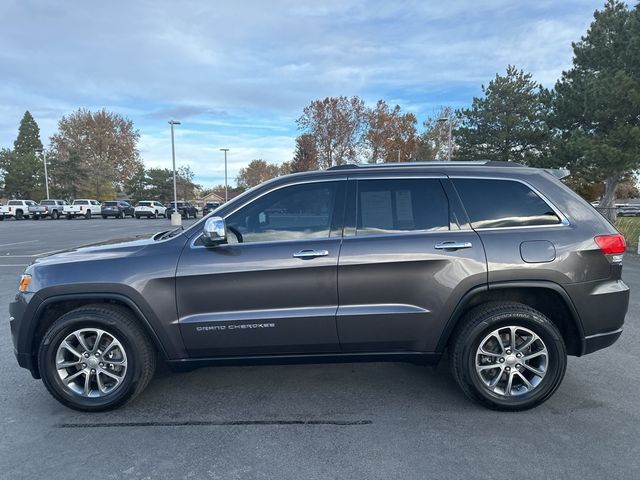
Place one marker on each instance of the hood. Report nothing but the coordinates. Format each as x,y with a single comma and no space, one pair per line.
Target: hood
115,248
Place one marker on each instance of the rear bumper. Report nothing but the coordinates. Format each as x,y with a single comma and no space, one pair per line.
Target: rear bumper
601,307
599,341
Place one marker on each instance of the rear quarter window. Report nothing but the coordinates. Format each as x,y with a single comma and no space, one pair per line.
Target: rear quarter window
503,203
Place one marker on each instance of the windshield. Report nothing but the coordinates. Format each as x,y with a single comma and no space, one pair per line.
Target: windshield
110,204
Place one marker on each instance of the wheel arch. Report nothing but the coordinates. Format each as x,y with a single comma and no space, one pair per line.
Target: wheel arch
54,307
547,297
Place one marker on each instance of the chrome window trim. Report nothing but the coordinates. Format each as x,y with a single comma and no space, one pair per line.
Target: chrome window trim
564,221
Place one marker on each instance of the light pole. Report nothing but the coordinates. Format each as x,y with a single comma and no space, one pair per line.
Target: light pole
226,193
448,120
176,218
46,177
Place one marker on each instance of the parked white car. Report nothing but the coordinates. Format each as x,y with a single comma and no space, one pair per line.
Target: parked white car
82,208
150,208
17,209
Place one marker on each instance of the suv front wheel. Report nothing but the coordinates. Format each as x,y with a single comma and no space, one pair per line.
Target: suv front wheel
508,356
96,358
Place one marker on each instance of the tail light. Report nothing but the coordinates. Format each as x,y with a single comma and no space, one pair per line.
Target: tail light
613,246
10,209
80,207
46,209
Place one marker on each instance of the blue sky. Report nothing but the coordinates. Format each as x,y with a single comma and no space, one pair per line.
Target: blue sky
238,74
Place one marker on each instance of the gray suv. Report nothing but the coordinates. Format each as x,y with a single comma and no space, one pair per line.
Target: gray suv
499,265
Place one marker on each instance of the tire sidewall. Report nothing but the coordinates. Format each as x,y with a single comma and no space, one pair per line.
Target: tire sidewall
541,327
47,355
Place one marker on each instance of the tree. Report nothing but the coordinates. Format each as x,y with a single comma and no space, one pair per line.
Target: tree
22,168
508,123
255,173
159,184
106,144
305,157
596,102
337,126
136,186
433,143
185,186
390,134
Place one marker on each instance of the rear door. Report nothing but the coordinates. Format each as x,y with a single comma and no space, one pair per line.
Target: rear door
407,258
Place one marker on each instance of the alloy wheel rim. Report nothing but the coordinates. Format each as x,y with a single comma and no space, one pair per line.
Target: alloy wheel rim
511,361
91,362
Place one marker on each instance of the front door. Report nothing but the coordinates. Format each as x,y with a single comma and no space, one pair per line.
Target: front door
273,288
405,262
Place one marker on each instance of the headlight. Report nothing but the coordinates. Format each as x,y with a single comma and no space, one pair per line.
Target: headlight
24,282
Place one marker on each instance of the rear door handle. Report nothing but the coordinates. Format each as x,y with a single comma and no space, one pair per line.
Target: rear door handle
311,253
452,245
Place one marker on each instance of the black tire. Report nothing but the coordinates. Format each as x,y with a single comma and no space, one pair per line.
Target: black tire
141,355
137,217
19,215
36,217
104,217
155,214
475,327
55,215
88,215
1,218
121,215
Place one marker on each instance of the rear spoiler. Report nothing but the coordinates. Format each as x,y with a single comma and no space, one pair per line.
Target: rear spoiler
559,173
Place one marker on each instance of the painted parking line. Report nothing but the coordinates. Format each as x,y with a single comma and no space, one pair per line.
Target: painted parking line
17,243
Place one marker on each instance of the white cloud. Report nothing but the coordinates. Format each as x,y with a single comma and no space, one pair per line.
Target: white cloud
239,73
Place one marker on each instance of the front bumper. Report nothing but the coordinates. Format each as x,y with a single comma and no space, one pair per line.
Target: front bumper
18,316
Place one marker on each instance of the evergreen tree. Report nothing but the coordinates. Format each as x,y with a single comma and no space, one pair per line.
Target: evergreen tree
597,101
22,167
508,123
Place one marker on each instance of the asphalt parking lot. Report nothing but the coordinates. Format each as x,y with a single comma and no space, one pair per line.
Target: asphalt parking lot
360,421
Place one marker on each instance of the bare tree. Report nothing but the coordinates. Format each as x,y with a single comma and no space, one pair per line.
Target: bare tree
433,142
337,126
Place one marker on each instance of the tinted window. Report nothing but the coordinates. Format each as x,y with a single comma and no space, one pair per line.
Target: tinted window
290,213
81,202
403,205
110,204
503,203
14,202
144,204
48,202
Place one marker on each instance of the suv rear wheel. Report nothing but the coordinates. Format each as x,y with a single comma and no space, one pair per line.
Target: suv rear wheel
96,358
508,356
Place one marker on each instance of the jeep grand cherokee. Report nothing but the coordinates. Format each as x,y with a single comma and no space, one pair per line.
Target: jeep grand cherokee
499,265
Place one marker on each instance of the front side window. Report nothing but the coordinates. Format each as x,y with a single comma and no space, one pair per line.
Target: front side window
297,212
503,203
401,206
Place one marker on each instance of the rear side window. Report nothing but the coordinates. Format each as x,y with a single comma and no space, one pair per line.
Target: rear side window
400,206
503,203
14,202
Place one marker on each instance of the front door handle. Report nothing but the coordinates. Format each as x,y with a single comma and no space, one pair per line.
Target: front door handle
311,253
452,245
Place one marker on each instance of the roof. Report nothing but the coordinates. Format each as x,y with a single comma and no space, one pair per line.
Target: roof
434,163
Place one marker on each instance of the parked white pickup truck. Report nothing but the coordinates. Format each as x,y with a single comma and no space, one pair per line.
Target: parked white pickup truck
81,208
17,209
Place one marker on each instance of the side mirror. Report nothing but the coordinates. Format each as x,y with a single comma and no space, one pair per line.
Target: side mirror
214,232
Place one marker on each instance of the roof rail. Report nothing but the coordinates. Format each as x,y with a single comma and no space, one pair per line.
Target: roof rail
489,163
